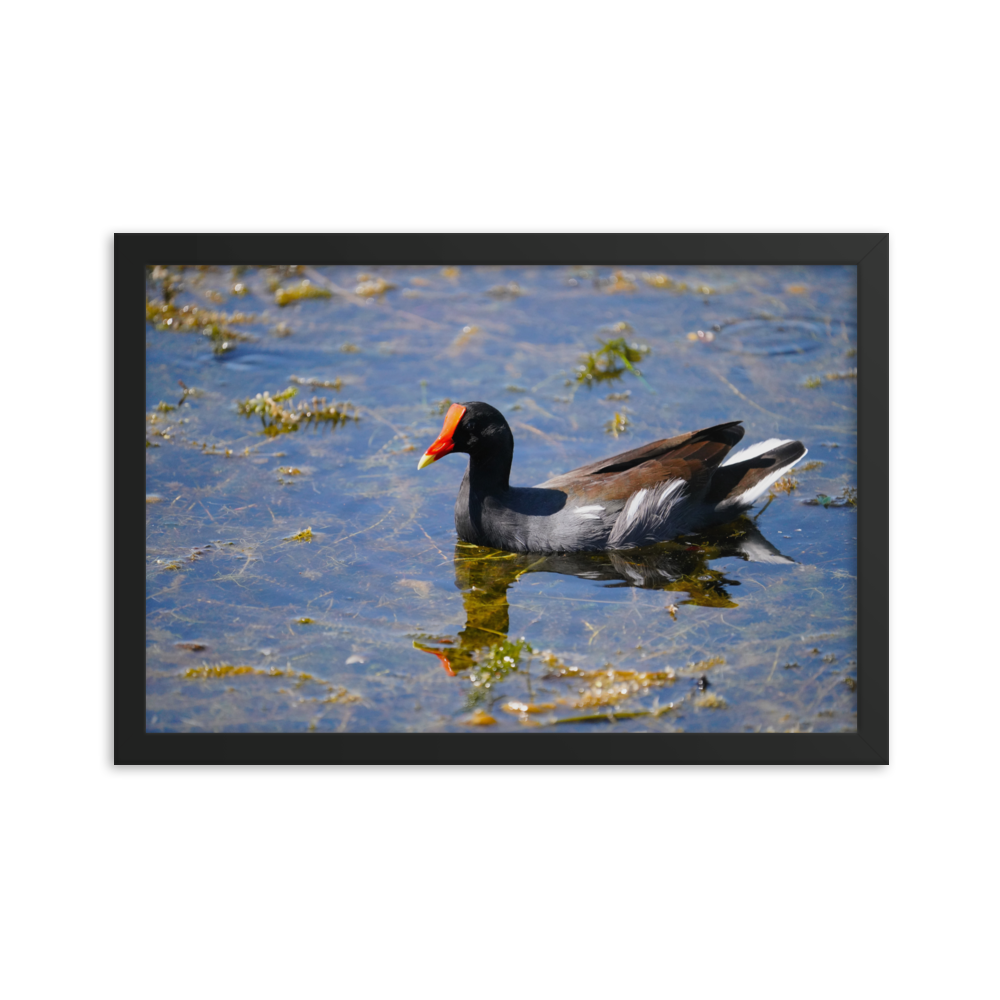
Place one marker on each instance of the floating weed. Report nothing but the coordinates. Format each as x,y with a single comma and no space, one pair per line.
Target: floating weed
791,666
279,419
852,684
349,349
440,406
848,498
305,621
619,281
702,665
657,280
369,287
525,708
339,696
710,700
479,717
501,659
282,330
305,535
813,382
515,388
851,352
705,336
462,340
618,397
511,290
786,484
217,326
165,407
218,670
610,361
451,273
289,470
841,376
618,424
317,383
153,497
795,289
811,466
305,289
240,289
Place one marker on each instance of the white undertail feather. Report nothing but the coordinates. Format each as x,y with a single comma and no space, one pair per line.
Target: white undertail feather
746,498
753,450
587,512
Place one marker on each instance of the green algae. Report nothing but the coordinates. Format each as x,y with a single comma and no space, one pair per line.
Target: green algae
305,289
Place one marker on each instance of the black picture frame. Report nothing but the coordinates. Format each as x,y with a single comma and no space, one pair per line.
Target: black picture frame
869,745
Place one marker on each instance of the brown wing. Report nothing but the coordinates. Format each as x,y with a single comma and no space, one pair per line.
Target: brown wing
692,457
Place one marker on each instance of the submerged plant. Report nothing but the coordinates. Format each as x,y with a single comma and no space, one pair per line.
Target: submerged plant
216,326
305,289
618,424
280,419
611,359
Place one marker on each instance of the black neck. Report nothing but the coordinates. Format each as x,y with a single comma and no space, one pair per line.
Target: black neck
489,473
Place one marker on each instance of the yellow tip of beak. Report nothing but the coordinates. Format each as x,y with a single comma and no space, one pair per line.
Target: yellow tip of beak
425,461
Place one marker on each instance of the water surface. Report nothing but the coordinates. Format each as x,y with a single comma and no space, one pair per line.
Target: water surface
376,618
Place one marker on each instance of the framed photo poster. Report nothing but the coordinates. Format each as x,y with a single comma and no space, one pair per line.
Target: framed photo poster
504,498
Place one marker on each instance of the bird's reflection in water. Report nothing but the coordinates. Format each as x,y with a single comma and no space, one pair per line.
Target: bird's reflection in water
682,566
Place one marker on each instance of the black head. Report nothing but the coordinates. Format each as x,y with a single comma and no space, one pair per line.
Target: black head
480,431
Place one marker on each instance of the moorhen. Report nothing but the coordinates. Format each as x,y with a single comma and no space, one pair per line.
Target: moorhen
676,486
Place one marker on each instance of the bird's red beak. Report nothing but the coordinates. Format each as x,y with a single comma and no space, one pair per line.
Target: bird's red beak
444,443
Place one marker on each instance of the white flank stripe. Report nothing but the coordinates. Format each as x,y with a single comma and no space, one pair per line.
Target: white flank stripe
754,450
584,510
633,506
668,489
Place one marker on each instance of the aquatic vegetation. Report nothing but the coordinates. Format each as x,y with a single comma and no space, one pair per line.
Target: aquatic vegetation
811,466
219,327
305,535
656,280
619,281
710,700
280,419
317,383
512,290
848,498
618,424
305,289
786,484
479,717
450,272
705,336
468,332
815,381
282,330
795,289
501,658
369,287
218,670
610,360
